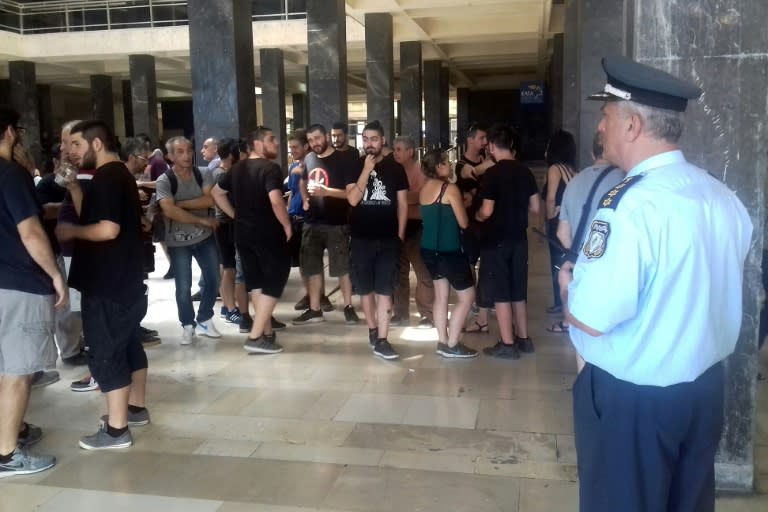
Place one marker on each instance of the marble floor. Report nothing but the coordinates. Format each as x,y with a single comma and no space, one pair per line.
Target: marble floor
327,426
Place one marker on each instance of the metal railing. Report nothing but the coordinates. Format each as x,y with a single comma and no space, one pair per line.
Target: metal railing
86,15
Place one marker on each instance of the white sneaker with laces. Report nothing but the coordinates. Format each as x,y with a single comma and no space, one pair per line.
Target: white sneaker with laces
188,336
207,328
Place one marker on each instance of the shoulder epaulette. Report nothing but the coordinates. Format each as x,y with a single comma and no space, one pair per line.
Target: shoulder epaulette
612,197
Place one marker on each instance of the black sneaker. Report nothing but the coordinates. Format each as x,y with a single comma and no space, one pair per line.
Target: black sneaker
152,341
373,335
524,345
263,345
143,331
309,317
302,304
426,323
325,304
350,316
457,351
197,296
246,324
277,325
30,435
384,350
398,320
502,351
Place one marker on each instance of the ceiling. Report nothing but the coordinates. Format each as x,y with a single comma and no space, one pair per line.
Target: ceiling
487,44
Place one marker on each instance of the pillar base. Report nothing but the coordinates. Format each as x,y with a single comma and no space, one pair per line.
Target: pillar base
734,477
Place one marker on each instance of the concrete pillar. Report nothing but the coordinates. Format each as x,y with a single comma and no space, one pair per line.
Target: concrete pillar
571,102
726,59
556,83
462,115
299,110
128,109
45,110
411,69
273,97
434,95
144,96
601,27
380,74
327,58
445,122
221,54
23,96
102,100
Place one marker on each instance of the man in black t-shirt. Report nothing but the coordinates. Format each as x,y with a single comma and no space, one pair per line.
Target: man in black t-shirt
378,193
252,194
324,195
508,194
30,285
107,269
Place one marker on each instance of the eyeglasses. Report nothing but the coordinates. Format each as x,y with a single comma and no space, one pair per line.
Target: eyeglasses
142,158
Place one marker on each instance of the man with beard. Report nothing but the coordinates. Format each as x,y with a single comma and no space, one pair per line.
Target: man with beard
252,194
107,269
325,223
378,193
189,234
339,139
30,286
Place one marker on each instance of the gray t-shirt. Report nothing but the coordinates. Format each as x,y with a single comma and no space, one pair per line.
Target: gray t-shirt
222,217
576,193
179,234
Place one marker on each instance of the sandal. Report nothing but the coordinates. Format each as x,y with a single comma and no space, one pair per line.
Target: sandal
558,328
478,328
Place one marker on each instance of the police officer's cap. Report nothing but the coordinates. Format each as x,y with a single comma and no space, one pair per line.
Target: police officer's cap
630,80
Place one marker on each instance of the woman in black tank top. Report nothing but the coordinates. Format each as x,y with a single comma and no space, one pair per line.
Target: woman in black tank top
560,156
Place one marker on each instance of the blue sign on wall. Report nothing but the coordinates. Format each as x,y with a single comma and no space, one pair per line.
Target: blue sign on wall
532,93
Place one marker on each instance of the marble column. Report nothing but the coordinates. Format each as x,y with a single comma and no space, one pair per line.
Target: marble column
45,110
445,122
102,99
571,102
556,83
380,74
23,96
223,97
462,115
299,110
144,96
128,109
433,99
398,119
601,29
273,97
411,70
327,58
721,46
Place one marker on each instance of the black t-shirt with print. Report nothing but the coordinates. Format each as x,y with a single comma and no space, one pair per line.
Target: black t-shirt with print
510,185
249,183
18,271
331,171
375,216
113,268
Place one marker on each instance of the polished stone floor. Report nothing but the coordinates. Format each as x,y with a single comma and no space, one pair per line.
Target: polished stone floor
327,426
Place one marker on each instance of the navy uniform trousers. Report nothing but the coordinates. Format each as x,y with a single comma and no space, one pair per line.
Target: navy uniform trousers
647,448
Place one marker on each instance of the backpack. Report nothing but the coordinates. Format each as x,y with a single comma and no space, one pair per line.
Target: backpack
175,182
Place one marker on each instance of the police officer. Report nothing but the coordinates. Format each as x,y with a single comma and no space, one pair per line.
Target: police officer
655,306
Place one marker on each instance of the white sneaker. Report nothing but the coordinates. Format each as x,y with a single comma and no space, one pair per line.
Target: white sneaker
207,328
188,336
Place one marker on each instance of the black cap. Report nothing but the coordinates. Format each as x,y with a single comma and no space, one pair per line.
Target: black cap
629,80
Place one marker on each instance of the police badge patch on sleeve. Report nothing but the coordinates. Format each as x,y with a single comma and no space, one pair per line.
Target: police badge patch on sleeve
597,239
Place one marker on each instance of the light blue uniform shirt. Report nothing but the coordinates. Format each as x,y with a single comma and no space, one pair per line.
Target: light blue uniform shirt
661,275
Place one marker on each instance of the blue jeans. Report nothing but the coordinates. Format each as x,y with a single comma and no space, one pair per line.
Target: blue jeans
207,256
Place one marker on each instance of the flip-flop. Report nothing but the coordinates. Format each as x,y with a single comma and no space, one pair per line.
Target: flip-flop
558,328
479,329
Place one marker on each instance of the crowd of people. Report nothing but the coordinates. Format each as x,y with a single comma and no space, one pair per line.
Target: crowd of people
78,249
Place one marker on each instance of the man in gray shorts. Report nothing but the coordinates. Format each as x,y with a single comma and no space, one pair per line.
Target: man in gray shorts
31,285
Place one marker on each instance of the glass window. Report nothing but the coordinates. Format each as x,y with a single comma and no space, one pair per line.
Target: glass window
268,9
39,23
129,16
170,14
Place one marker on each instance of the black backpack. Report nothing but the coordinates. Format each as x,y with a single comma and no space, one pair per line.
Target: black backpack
175,182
